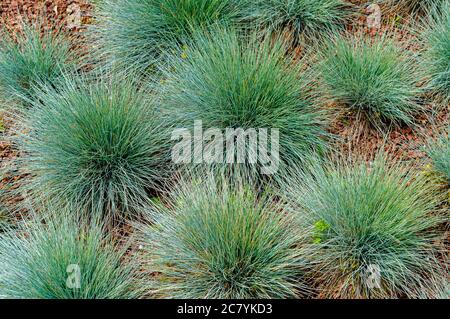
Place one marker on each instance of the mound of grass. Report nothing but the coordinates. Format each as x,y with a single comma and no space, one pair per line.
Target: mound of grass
96,143
219,239
374,78
229,83
440,156
376,233
411,6
308,17
30,58
135,33
61,258
437,55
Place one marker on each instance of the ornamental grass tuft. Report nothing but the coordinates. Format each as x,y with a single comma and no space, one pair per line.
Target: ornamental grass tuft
436,36
376,227
227,82
136,34
439,152
32,57
217,238
55,256
98,144
411,6
371,78
304,17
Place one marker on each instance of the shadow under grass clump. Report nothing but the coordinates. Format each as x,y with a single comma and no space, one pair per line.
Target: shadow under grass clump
135,34
372,78
32,57
228,83
55,256
98,144
217,238
376,229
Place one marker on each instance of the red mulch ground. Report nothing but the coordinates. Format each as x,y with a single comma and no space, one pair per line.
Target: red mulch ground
55,12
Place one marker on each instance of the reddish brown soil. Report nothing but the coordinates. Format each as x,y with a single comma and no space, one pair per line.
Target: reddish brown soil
401,143
55,12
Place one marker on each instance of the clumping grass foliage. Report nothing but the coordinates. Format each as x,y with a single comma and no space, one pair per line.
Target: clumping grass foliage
32,58
61,258
369,219
371,77
135,33
437,38
230,83
413,6
3,209
439,152
96,143
308,17
187,149
217,239
3,215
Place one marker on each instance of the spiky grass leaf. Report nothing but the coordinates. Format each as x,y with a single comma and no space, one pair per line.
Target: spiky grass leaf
377,216
42,259
96,143
374,78
219,239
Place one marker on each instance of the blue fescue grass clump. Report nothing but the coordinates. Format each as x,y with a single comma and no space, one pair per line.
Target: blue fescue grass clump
97,143
136,33
305,17
55,256
216,238
371,218
228,82
373,78
32,57
412,6
439,153
437,54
